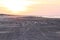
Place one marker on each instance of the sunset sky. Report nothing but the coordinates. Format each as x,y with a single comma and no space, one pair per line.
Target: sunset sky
49,8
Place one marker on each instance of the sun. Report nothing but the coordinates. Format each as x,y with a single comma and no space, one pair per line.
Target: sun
16,5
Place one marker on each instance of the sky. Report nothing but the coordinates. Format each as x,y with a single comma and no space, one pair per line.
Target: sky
46,8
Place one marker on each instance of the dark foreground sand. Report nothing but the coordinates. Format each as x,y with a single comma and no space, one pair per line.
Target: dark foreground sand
29,28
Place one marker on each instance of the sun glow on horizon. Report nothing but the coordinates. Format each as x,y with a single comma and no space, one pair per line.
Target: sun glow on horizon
16,5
